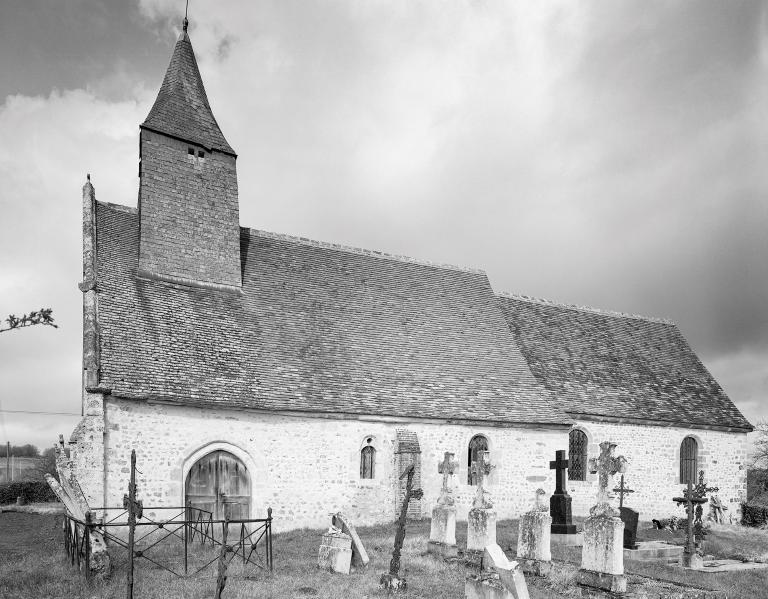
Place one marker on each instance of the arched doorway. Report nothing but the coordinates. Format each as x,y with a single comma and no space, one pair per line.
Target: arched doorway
219,483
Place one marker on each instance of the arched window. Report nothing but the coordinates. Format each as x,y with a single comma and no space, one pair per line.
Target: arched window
477,444
577,455
368,460
689,451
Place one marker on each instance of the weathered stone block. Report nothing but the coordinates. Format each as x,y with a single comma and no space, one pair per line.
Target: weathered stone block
603,549
335,552
443,527
534,536
481,529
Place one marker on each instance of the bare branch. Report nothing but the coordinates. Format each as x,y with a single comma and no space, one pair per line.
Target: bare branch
42,316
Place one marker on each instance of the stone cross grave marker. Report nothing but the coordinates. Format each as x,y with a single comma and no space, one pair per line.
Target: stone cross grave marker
481,468
391,580
605,466
602,555
560,501
447,467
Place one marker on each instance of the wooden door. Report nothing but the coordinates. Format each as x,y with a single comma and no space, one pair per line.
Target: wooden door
219,483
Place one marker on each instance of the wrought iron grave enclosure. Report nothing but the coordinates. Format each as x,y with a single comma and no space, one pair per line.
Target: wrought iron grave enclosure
167,542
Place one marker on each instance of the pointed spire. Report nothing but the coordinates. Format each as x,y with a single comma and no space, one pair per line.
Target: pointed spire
181,109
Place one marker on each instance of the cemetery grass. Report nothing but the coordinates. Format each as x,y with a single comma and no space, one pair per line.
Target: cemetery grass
33,565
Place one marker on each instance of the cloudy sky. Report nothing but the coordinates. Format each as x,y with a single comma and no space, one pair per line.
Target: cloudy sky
613,154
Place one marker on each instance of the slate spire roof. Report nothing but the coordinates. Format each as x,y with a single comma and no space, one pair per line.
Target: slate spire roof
181,109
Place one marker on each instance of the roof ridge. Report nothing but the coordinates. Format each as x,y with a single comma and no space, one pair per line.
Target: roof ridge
580,308
362,251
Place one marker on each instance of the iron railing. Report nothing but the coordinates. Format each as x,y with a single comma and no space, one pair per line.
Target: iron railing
186,526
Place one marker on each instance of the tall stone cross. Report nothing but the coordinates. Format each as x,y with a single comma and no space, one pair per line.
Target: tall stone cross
480,468
622,490
447,467
605,466
559,465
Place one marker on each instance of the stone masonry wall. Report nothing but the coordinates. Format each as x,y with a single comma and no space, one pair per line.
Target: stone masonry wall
305,468
654,467
190,225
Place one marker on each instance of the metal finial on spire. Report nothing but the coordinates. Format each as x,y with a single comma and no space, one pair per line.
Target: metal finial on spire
185,22
88,175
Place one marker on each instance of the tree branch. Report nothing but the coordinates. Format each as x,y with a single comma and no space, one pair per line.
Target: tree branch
41,316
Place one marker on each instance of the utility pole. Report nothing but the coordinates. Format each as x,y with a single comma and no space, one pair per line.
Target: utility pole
7,461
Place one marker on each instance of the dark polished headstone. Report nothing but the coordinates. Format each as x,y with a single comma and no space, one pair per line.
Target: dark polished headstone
629,517
560,502
560,510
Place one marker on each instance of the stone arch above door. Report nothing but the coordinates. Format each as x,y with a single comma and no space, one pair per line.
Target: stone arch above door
218,480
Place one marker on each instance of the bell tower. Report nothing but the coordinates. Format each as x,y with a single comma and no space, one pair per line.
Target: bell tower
188,205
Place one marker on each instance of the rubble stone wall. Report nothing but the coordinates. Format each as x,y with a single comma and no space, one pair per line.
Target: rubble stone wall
654,467
307,467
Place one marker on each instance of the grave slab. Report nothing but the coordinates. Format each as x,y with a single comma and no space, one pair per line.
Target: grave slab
335,553
360,557
729,565
654,550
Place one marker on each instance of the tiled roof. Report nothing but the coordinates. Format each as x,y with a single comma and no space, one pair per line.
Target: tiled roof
316,329
181,108
617,365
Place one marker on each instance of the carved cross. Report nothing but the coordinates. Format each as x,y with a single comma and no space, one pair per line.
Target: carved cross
559,465
480,468
606,465
447,467
622,490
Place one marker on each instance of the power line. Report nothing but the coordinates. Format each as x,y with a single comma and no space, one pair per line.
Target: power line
47,413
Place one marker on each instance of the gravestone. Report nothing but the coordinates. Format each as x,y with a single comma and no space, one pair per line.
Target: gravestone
360,557
442,535
533,540
499,578
602,556
481,522
560,502
335,553
628,516
630,519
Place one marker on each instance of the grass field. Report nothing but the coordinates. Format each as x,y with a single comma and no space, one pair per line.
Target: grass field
33,565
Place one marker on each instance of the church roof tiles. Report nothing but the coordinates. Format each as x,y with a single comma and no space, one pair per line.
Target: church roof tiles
316,329
614,365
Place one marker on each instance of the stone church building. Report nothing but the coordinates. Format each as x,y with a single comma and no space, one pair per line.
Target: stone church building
252,369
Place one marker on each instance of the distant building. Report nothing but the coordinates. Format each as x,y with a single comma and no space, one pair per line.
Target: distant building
252,369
